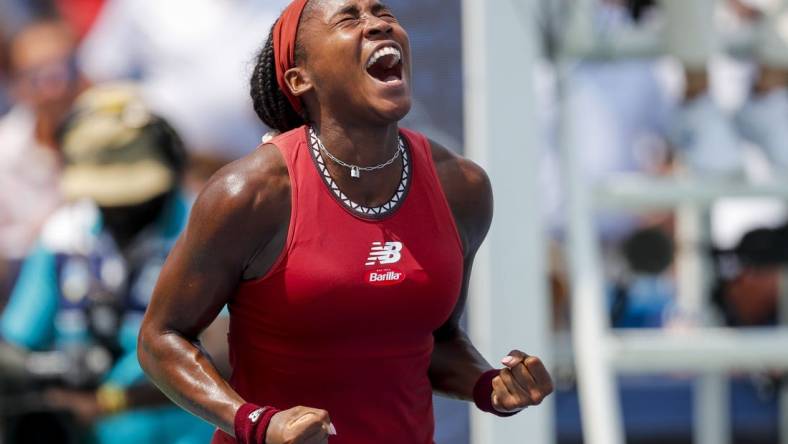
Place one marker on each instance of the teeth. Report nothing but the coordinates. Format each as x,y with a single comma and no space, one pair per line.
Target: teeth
382,52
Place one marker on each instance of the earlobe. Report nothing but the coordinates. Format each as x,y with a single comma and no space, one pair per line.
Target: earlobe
298,81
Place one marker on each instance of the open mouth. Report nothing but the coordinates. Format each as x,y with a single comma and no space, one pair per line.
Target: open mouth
385,65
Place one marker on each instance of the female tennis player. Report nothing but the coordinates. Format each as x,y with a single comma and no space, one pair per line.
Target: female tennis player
343,249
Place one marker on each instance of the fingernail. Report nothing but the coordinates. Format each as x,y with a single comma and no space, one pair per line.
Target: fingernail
507,360
331,429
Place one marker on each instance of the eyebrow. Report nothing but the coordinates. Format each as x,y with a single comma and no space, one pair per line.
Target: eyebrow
380,6
351,9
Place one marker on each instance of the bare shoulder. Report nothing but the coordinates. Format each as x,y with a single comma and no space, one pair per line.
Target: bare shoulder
456,171
260,177
468,191
245,199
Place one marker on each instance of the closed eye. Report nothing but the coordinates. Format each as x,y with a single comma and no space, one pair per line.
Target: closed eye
351,14
345,15
383,11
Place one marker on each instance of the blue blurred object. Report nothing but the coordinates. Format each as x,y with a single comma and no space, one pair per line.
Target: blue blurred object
658,409
643,303
53,308
5,100
452,422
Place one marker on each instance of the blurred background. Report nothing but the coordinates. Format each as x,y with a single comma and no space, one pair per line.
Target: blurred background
637,148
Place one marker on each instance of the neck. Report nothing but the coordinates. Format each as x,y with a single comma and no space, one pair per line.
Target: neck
363,146
359,145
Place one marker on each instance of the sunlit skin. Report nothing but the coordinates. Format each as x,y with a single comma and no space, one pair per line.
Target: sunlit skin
339,38
239,224
354,113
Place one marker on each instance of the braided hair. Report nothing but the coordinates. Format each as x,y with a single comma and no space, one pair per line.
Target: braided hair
270,103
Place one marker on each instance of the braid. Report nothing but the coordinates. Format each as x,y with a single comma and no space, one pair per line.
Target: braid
269,102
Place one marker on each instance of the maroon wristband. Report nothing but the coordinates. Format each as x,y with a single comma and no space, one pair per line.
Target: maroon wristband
482,394
251,423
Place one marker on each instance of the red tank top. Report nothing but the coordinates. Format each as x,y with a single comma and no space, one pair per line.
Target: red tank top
344,319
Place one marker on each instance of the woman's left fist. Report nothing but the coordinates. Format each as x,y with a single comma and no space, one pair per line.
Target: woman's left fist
524,382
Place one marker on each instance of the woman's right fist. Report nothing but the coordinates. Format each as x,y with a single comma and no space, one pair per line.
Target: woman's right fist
300,425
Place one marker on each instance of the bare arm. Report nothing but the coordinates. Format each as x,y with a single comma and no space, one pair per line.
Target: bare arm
456,364
234,219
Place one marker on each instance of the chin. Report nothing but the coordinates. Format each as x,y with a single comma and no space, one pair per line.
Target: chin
392,111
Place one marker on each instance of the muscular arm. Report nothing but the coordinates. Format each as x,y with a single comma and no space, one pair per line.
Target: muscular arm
235,220
456,364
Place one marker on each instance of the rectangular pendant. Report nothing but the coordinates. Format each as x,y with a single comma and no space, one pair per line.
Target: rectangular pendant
355,173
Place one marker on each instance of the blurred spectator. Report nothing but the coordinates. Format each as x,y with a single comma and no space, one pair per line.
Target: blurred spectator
16,14
750,298
749,277
193,59
616,98
616,110
703,132
707,134
83,291
44,81
762,119
79,14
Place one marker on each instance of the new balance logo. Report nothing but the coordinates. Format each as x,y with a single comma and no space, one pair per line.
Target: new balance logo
384,254
255,415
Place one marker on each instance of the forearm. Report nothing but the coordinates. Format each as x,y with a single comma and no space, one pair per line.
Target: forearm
456,365
184,372
131,398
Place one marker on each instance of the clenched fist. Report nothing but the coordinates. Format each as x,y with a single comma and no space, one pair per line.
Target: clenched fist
524,382
300,425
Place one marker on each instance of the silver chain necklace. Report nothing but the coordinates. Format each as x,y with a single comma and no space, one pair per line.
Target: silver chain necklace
355,170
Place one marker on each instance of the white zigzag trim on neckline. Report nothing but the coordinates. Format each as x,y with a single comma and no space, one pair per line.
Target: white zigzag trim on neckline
381,210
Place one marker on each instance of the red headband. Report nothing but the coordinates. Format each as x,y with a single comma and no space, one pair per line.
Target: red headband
285,32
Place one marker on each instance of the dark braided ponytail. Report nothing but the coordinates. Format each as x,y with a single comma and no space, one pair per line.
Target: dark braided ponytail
270,103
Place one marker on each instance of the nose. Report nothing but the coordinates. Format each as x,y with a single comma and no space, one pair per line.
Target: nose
377,27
